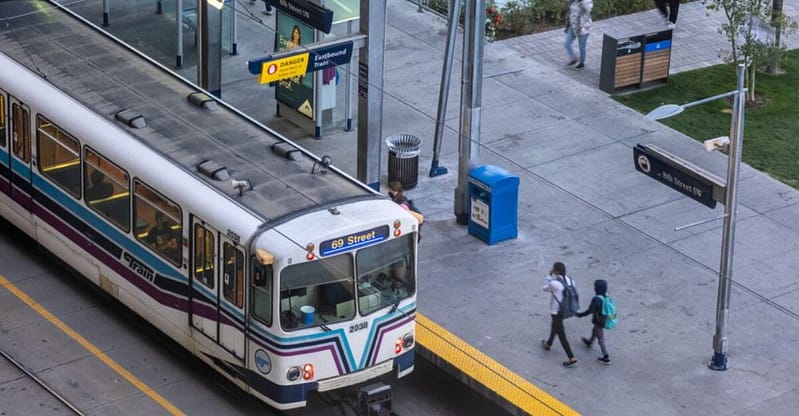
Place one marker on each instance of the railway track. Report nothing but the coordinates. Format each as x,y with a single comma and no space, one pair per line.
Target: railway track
41,383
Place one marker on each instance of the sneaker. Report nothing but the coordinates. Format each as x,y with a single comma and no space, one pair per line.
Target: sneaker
587,342
579,67
572,62
671,25
545,346
603,360
267,12
570,363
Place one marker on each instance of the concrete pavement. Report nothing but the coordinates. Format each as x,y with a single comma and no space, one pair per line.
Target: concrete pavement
581,202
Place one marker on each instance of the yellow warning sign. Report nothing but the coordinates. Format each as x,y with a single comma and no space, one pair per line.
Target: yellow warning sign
291,66
305,108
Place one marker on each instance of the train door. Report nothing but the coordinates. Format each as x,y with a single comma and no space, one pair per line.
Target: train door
5,171
231,303
20,154
204,299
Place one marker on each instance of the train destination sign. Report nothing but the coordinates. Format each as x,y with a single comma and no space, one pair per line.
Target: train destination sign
677,174
353,241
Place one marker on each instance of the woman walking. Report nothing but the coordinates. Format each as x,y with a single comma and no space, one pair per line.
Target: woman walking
579,28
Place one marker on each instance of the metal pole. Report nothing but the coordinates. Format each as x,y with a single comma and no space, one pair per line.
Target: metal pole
106,12
317,94
234,31
348,87
179,24
719,361
443,91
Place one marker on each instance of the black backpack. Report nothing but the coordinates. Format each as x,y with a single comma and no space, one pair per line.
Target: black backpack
571,300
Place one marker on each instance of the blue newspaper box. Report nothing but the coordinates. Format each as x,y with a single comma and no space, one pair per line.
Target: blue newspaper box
494,196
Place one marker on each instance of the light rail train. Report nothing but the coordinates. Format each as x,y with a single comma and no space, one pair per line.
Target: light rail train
281,272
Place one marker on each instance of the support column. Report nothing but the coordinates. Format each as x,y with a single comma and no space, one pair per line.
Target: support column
370,91
209,48
471,98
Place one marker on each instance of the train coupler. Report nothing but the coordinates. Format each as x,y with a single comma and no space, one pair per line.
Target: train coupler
374,400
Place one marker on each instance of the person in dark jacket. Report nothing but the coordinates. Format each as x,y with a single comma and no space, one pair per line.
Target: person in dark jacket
595,309
397,194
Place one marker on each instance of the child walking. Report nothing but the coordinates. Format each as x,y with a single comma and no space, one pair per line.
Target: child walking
598,319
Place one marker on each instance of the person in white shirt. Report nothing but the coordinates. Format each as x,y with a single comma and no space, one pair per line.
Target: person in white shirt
554,284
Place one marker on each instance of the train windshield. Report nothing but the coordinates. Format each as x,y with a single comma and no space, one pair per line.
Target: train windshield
323,291
317,292
386,274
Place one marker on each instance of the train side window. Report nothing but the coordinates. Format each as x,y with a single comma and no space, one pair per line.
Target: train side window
233,274
159,223
2,119
59,155
21,132
262,284
203,255
107,189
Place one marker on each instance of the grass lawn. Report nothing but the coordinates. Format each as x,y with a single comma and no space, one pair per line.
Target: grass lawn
771,130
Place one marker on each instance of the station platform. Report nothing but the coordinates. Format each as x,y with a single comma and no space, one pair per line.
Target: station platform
482,313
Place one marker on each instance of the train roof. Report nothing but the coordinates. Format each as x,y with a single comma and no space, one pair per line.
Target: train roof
107,77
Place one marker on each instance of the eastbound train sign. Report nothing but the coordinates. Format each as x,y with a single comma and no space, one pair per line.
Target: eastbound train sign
281,66
679,174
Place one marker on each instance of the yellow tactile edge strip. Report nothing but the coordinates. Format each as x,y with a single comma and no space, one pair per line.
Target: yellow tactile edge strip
487,371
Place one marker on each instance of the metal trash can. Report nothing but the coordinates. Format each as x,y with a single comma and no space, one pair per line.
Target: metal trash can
403,159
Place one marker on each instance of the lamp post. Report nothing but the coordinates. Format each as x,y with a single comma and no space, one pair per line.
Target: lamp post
719,359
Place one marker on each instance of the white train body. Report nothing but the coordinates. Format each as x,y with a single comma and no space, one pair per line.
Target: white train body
305,282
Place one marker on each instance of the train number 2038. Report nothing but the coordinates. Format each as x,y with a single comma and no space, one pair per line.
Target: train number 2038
359,326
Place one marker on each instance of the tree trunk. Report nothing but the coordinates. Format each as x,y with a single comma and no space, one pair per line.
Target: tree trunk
776,13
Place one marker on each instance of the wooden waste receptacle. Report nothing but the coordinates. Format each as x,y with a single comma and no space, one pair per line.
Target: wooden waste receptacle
634,61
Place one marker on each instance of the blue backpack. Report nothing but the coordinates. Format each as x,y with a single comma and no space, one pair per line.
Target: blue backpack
609,311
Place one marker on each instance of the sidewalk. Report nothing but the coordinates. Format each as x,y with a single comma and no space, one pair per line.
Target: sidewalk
582,202
696,41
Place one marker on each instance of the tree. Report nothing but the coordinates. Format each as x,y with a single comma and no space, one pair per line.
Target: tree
750,28
776,17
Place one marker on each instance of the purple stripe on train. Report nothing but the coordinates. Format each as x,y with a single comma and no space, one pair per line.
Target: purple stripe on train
383,331
149,288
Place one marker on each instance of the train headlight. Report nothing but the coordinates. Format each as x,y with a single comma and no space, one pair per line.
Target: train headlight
307,371
294,373
398,346
397,229
407,340
309,249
